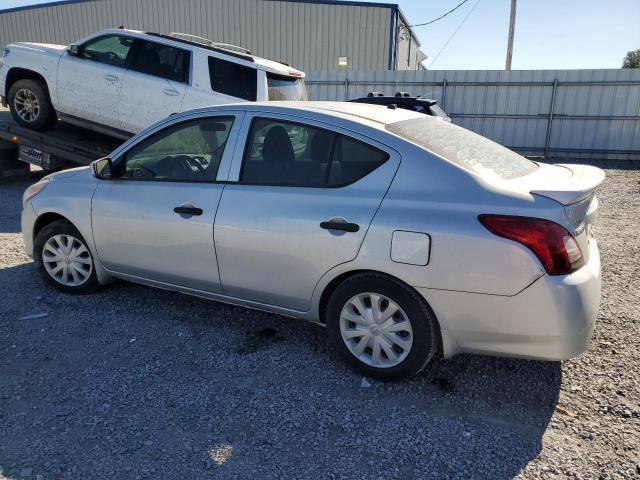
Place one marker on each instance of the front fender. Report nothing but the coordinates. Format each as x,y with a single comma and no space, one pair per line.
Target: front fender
70,197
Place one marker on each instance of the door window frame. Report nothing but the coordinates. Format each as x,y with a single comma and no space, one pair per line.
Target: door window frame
120,154
83,45
235,174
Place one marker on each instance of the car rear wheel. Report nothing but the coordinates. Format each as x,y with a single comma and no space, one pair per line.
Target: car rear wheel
30,104
64,259
382,327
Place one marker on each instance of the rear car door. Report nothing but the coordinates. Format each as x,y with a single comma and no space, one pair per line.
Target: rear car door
154,85
89,83
154,220
303,202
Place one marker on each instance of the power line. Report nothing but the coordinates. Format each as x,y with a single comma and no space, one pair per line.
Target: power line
454,33
441,17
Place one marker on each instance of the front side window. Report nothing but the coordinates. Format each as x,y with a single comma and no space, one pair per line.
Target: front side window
233,79
281,153
112,50
189,151
160,60
464,148
281,87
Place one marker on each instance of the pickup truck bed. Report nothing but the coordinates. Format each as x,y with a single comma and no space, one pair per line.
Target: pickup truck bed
66,143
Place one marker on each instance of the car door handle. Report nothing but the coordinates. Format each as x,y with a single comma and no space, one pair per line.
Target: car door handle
171,93
110,78
188,210
344,226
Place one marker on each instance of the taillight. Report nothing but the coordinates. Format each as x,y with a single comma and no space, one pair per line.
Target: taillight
554,246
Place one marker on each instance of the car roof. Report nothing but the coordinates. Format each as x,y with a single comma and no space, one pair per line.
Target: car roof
247,59
377,116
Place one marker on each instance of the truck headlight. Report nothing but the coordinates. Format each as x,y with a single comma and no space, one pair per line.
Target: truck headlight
33,190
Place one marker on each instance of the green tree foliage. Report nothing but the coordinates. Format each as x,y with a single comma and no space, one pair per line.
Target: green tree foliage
632,59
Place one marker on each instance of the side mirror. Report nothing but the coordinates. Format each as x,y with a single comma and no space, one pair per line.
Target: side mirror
74,50
102,168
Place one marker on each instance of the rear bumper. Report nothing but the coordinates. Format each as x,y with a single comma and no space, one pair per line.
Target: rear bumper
552,319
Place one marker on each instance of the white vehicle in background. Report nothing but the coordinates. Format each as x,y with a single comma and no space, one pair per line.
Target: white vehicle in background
120,81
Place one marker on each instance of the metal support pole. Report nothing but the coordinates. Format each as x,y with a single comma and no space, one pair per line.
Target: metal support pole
444,94
346,89
512,27
550,121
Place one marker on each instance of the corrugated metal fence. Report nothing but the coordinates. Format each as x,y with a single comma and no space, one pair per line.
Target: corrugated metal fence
555,113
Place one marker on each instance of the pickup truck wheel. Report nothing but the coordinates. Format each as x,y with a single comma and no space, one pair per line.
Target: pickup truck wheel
30,105
64,259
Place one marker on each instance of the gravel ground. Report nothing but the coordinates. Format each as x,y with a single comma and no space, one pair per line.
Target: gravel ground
133,382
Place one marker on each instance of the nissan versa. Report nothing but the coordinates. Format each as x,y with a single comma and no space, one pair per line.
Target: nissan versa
410,238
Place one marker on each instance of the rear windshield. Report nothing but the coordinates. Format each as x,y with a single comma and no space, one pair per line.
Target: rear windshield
286,88
462,147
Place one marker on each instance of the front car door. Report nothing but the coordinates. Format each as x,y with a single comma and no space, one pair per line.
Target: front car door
154,220
89,83
303,202
154,85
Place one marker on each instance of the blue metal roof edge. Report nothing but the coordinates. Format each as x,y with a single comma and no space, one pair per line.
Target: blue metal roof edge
42,5
353,3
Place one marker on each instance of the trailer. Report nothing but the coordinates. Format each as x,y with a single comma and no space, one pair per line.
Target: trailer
62,146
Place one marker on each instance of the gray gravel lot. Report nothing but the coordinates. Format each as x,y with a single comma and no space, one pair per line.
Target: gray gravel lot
133,382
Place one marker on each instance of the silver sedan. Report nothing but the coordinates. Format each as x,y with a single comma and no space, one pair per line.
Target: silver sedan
410,238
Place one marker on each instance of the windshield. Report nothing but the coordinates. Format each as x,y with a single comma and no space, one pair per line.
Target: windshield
286,88
463,147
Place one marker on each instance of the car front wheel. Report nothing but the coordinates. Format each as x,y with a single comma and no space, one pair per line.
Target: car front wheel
64,259
382,327
30,105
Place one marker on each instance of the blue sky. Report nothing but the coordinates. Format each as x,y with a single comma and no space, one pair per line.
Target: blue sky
550,34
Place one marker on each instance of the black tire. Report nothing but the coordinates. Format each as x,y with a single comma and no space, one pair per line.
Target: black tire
63,227
426,346
46,115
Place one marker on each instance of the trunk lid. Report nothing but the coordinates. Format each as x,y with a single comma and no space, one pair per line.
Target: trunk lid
567,184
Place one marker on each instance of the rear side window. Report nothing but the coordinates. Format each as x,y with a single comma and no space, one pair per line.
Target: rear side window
353,160
233,79
160,60
464,148
280,153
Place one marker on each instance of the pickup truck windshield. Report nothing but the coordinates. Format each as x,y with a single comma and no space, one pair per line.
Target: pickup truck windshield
464,148
286,88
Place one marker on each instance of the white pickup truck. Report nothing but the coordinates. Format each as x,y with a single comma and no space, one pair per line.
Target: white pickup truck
120,81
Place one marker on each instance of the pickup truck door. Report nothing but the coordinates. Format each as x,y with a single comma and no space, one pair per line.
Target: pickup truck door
155,221
89,82
154,85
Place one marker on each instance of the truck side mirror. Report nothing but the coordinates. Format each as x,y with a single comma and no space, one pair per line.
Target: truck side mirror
74,50
102,168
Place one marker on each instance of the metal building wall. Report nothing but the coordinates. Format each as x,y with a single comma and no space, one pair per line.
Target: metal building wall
408,54
307,35
570,113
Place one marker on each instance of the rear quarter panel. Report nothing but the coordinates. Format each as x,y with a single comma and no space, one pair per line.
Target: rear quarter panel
429,195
